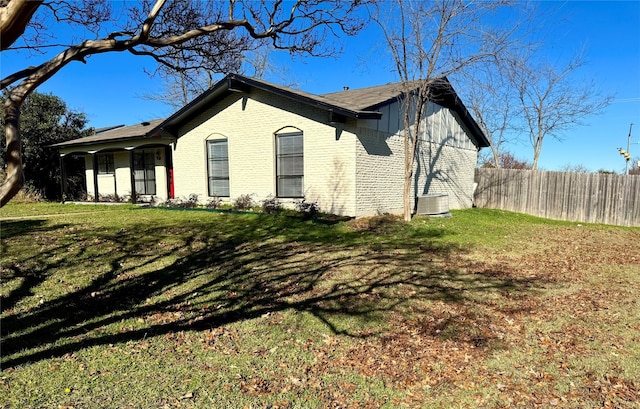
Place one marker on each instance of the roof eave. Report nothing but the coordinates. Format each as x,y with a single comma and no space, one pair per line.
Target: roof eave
233,83
68,144
356,114
449,96
470,122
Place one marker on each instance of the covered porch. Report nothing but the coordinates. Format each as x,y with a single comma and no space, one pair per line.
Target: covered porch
123,164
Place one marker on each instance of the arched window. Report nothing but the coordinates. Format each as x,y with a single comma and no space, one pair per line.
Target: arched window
289,164
218,167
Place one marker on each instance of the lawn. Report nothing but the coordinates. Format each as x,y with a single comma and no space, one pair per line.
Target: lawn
126,307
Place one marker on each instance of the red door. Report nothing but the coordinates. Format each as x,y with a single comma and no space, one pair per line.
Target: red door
171,191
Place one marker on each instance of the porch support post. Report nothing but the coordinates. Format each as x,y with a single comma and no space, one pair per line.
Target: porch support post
132,176
168,166
63,177
94,160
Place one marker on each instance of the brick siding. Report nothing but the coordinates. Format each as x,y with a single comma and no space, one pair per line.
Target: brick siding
250,126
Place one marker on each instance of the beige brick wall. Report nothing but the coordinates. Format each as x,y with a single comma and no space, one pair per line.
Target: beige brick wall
380,170
250,123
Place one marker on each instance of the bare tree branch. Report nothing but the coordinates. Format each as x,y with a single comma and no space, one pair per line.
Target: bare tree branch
428,42
178,35
552,99
493,102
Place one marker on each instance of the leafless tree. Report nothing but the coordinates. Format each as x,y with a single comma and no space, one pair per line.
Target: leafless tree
493,103
579,168
552,98
176,34
430,40
178,88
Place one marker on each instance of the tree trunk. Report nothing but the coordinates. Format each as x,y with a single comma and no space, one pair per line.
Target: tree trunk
534,165
407,196
408,166
14,178
14,18
537,148
496,156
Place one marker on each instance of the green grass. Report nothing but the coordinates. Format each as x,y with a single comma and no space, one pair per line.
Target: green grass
121,306
50,208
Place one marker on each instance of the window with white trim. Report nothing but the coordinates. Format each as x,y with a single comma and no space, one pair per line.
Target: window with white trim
289,165
218,167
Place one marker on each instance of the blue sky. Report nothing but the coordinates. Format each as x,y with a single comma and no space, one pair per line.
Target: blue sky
109,88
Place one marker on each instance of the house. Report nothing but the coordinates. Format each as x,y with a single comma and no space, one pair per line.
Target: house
343,150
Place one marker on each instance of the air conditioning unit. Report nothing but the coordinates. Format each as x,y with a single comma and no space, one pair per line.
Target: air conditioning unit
433,205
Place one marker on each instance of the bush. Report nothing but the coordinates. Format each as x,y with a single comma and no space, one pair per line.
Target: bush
192,200
28,194
171,203
112,198
188,203
243,202
214,203
308,210
271,205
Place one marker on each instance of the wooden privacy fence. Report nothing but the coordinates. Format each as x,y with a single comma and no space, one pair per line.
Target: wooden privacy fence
579,197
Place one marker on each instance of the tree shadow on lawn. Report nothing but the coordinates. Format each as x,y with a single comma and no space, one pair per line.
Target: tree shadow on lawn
202,274
30,270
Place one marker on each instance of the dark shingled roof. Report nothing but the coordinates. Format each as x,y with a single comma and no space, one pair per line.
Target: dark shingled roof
358,103
355,110
234,83
366,98
117,133
108,128
441,92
